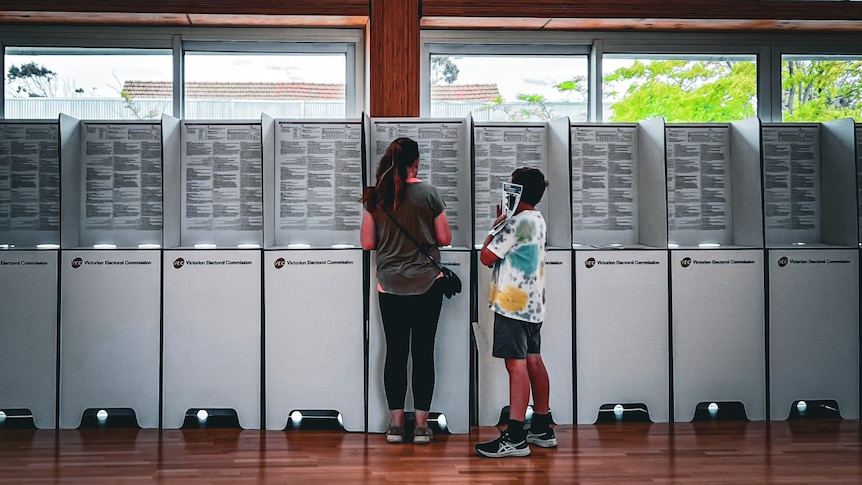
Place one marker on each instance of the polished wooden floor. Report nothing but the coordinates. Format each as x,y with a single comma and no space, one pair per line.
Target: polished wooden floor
810,452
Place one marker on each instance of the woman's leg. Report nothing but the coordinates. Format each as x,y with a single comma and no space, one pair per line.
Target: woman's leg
426,314
396,329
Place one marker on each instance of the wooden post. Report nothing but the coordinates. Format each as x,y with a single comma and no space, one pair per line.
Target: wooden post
394,55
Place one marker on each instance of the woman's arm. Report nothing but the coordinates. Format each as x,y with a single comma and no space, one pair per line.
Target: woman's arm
368,232
441,230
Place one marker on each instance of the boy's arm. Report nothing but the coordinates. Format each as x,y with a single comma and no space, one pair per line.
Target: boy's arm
486,256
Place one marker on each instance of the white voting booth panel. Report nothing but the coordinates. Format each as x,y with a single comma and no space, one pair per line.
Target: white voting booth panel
28,346
814,329
314,334
109,334
556,344
719,348
622,331
212,317
451,355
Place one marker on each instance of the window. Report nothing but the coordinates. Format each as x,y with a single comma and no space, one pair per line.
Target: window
823,88
679,88
223,84
41,83
508,83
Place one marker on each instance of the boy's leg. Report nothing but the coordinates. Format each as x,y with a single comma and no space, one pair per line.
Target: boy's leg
539,383
519,390
540,432
510,343
512,441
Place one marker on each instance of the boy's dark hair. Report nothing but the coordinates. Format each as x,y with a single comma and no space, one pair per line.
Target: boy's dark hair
534,183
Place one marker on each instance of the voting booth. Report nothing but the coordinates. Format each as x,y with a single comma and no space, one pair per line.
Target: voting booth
110,269
809,173
717,267
619,237
29,238
500,148
444,147
28,350
212,271
313,271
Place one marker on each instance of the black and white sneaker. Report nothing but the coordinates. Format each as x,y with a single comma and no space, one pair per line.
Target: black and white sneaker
545,440
503,447
395,434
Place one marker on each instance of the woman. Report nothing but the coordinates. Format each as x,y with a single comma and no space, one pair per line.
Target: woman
409,300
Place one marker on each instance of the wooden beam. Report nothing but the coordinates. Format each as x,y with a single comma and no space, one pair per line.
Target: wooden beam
394,54
346,8
647,9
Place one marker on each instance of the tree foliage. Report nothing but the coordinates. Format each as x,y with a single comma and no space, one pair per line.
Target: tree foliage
32,80
684,91
821,90
527,107
443,69
535,106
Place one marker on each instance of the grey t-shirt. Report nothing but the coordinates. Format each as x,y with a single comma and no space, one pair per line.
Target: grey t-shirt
401,268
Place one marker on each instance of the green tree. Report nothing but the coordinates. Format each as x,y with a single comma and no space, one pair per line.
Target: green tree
821,90
32,80
576,85
535,106
529,107
443,69
684,91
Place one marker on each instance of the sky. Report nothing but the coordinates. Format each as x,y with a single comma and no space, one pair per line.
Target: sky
519,75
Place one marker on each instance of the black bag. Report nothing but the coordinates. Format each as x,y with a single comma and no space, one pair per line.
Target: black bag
450,283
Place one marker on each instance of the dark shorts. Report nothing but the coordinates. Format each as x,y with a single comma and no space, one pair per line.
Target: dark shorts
514,339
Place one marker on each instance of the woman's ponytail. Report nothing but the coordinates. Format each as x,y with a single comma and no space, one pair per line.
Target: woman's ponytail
392,175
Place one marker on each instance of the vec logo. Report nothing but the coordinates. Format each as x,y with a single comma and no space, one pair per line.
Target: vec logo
590,262
279,263
782,261
77,263
179,263
686,262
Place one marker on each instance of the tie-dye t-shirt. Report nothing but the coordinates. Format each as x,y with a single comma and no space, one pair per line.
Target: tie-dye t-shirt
518,278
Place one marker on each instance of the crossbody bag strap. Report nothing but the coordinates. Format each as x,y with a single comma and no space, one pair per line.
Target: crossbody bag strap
418,246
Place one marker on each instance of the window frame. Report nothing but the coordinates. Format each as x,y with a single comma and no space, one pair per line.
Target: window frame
767,48
178,40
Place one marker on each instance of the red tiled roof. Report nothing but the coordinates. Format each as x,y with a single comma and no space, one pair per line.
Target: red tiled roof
242,90
464,92
293,91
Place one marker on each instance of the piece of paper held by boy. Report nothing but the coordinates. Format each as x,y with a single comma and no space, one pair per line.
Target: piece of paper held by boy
508,205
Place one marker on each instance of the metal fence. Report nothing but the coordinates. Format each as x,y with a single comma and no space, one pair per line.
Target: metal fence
113,108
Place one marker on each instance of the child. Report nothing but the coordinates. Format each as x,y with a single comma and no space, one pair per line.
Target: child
517,256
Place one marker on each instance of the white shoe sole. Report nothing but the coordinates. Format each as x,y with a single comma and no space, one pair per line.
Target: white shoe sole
514,452
551,443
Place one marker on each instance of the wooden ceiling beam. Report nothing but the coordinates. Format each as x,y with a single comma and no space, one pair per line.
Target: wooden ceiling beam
344,8
653,9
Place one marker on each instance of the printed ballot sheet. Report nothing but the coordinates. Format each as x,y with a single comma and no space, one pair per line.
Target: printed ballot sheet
443,160
791,164
604,182
499,150
222,183
698,178
29,180
319,182
121,180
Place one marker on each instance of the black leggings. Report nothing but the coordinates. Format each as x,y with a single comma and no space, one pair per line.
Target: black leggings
410,323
